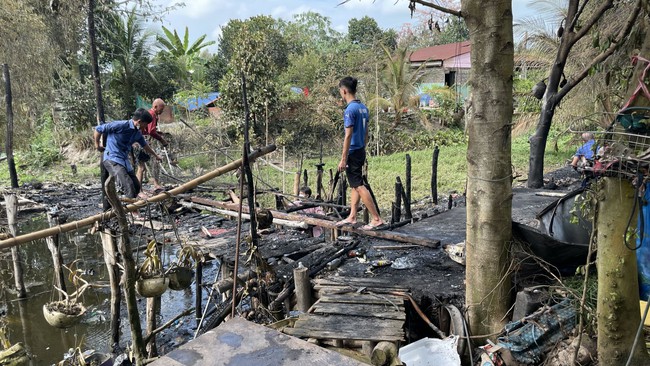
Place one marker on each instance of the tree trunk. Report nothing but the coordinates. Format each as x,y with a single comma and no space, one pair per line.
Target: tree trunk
98,93
618,288
489,187
9,144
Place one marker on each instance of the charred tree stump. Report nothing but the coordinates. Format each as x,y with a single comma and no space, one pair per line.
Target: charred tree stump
57,258
12,211
129,272
9,143
319,181
434,175
111,260
407,189
407,205
303,288
397,205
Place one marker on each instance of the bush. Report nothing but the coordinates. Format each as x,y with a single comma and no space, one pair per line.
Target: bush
43,149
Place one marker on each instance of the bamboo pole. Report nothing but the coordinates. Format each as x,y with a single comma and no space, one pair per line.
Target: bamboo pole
57,258
434,175
129,272
281,222
400,237
153,303
76,225
12,211
114,279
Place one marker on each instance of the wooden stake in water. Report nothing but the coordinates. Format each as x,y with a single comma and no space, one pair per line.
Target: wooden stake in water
110,258
12,211
57,258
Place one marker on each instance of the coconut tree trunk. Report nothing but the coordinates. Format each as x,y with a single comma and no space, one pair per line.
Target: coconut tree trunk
618,288
489,190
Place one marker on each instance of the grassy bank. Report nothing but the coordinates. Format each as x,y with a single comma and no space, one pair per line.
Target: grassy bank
382,172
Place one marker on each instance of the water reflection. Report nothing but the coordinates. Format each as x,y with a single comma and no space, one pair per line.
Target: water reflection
24,318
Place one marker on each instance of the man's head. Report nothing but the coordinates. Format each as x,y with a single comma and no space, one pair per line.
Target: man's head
586,136
141,117
305,192
158,106
348,87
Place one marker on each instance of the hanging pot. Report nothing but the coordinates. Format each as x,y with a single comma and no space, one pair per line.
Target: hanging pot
62,314
152,287
539,89
180,278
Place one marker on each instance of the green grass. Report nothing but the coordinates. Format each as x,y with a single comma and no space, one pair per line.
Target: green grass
382,173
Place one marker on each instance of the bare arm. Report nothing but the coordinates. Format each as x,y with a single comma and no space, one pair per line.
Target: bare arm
97,137
346,148
151,152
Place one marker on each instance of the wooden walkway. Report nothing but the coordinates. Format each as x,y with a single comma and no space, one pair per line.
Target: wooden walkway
243,343
353,309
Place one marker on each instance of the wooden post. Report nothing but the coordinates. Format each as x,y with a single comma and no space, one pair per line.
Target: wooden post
407,205
407,201
9,143
303,288
57,258
450,202
397,207
12,211
198,278
153,303
384,353
296,184
434,175
226,272
124,245
305,179
110,258
319,181
284,169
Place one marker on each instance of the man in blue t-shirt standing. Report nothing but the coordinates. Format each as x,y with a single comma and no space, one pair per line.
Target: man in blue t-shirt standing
120,135
356,120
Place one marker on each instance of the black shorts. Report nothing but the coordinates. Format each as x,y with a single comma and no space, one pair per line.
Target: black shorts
354,170
141,156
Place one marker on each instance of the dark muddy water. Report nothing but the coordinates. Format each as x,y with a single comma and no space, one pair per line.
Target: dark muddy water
24,318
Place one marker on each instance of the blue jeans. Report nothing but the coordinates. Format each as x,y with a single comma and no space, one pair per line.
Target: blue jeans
125,179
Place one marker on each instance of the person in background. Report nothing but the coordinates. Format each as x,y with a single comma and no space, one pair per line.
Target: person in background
304,195
356,118
120,137
150,132
585,152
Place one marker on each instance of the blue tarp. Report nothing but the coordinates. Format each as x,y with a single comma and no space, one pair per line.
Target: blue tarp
196,103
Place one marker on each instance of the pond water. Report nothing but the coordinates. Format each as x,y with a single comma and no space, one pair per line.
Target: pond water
47,345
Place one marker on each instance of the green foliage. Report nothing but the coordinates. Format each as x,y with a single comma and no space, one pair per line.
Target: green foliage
366,33
234,34
250,58
446,105
309,32
43,149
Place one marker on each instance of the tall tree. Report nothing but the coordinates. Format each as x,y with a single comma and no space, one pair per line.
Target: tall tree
232,33
577,24
489,183
366,33
129,42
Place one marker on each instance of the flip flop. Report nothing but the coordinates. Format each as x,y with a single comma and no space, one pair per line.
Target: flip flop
369,227
344,222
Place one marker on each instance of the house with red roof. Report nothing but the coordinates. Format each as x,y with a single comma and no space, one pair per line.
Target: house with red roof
445,64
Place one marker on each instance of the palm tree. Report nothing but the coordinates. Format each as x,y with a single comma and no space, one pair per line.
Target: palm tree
398,80
181,50
129,52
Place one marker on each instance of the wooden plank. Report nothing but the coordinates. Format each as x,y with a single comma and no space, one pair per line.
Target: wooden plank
351,288
240,342
356,282
348,323
363,310
352,335
354,298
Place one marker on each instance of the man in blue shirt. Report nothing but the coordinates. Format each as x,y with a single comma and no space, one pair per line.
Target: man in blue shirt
584,152
120,135
356,120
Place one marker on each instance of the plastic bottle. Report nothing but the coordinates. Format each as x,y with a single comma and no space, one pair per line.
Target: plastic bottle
381,263
334,264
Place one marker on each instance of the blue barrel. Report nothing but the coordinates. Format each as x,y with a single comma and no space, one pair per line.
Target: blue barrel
643,253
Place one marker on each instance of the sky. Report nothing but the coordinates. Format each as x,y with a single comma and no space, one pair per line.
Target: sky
208,16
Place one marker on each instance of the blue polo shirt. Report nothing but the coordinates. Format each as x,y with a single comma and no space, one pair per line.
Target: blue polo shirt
356,116
586,150
120,135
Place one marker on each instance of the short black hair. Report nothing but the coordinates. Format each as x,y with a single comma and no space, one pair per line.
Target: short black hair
306,190
142,115
349,83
